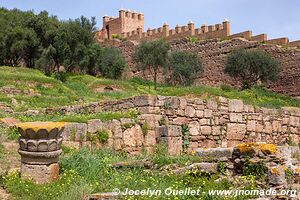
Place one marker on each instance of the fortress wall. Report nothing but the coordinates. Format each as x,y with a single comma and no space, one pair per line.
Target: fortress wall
213,55
295,43
279,41
260,38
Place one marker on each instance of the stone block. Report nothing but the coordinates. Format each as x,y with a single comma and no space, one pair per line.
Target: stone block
199,113
133,137
204,121
251,125
40,173
150,138
190,111
173,144
294,121
168,131
148,110
235,105
180,121
214,154
75,132
144,101
182,103
212,105
194,128
94,125
208,113
236,131
235,117
205,130
151,119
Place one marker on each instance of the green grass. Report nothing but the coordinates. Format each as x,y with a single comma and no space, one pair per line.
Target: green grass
81,118
84,171
79,89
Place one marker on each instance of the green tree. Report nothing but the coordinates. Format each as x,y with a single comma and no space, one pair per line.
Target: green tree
112,63
184,67
251,66
151,56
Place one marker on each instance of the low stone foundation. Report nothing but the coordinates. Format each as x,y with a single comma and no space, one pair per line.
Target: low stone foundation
215,122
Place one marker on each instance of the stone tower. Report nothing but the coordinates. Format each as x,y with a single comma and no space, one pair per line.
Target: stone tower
126,22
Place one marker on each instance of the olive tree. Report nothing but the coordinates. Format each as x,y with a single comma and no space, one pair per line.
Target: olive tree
251,66
151,56
184,67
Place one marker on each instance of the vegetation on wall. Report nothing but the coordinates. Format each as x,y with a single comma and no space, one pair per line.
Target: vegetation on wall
251,66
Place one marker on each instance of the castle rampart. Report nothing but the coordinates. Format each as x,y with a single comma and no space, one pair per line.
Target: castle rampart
130,25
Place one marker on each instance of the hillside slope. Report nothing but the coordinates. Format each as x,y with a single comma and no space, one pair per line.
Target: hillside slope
22,89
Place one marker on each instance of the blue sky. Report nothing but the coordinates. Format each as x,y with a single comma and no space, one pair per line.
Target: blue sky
277,18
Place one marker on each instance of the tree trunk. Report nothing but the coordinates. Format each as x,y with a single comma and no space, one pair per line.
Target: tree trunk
155,80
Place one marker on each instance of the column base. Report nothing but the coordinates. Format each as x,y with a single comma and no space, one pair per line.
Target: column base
40,173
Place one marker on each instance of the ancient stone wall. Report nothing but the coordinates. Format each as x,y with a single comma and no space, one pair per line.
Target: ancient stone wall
218,122
213,54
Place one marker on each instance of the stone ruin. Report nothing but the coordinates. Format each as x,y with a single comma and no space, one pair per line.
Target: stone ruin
40,147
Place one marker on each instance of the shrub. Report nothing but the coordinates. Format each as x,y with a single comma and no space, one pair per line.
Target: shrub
184,67
102,136
251,66
257,169
145,128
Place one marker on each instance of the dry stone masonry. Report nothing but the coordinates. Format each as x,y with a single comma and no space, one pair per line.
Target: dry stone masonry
215,122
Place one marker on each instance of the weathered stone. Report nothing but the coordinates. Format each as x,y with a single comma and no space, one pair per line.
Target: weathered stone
144,101
152,120
180,121
182,103
173,144
150,138
214,154
251,125
149,110
216,130
212,105
116,128
235,117
204,121
294,121
194,128
276,176
207,113
204,167
236,131
205,130
235,105
268,128
40,173
168,131
94,125
190,111
75,132
133,136
199,113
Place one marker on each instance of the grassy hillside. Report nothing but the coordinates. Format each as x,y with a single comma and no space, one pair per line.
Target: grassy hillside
33,90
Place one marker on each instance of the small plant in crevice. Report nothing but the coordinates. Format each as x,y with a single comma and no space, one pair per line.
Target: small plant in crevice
185,136
258,169
167,104
162,121
221,167
72,134
289,140
102,136
127,125
145,128
288,175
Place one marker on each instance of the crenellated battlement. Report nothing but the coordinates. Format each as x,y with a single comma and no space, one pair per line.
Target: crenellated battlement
130,25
